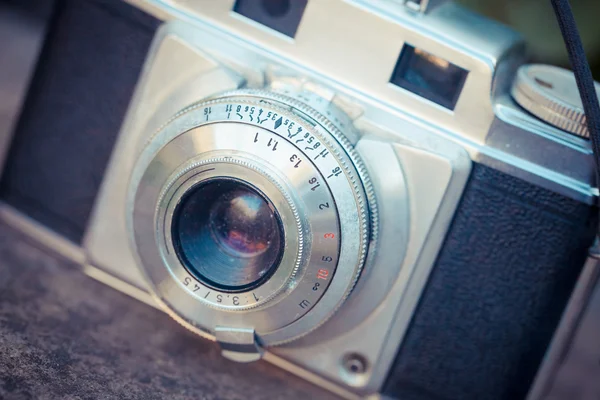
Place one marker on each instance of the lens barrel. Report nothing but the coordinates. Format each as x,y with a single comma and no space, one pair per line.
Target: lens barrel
246,214
228,234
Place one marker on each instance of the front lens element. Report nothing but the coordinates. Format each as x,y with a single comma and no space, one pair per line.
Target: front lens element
228,234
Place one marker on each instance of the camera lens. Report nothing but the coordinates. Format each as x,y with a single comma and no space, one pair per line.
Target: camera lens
228,234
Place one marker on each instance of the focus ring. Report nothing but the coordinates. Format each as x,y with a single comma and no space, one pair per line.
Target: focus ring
344,204
367,206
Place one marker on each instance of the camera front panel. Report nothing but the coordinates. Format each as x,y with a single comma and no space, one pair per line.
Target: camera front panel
360,296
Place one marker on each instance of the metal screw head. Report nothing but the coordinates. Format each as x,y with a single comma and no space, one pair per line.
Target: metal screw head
355,363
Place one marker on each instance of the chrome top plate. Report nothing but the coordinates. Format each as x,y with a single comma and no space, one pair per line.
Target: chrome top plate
349,55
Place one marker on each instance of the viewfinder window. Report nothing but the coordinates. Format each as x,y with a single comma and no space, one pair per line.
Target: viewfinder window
281,15
429,76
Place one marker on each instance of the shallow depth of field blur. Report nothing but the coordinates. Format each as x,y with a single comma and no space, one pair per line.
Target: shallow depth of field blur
535,20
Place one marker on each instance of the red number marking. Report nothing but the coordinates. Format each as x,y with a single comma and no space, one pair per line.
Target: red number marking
322,274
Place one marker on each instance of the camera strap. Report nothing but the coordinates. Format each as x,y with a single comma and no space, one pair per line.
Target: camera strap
583,74
569,370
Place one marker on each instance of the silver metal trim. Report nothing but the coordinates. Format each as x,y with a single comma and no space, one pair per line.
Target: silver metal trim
69,250
238,344
291,265
490,51
119,284
551,94
315,378
536,150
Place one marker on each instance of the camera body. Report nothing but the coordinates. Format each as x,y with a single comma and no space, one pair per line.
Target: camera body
430,231
437,170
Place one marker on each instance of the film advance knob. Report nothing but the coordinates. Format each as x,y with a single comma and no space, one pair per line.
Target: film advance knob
550,93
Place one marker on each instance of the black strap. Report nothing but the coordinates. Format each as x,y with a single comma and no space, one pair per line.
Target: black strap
583,74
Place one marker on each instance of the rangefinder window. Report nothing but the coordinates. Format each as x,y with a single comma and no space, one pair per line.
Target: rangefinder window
429,76
281,15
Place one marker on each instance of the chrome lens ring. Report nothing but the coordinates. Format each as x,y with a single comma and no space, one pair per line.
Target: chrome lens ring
324,184
204,170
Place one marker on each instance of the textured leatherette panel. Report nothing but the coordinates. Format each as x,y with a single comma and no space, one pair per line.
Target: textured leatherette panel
496,293
82,86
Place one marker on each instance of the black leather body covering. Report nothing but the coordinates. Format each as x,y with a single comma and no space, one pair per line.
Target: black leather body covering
87,71
496,293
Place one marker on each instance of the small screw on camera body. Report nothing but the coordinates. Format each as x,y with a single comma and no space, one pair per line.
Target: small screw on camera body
355,363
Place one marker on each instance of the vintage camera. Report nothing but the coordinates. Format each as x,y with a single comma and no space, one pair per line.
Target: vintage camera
345,188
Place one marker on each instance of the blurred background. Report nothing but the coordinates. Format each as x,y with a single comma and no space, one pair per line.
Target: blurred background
535,20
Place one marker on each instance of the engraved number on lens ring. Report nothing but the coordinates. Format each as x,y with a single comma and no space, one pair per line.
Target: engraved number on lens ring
310,149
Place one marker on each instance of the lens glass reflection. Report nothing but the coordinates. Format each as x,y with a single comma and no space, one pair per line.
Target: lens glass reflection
227,234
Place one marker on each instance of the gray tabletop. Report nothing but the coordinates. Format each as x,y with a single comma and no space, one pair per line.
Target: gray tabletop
66,336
